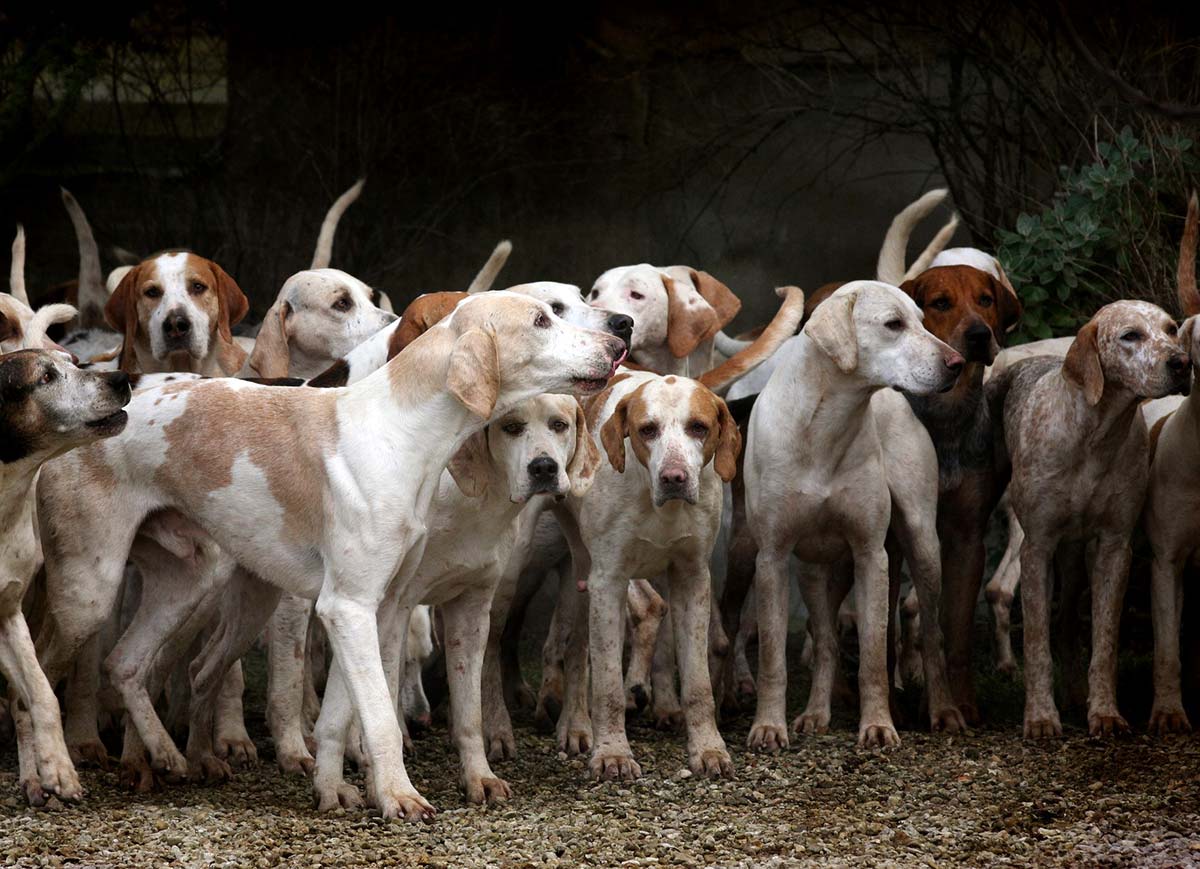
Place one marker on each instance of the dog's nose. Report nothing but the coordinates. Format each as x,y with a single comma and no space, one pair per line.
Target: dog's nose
955,363
1178,363
979,334
673,477
176,326
119,380
543,468
621,326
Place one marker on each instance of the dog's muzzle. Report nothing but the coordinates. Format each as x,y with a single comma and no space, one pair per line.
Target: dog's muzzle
543,476
621,325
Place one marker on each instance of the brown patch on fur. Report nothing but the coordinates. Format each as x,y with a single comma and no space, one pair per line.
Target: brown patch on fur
687,324
616,429
782,327
422,314
1082,365
222,423
970,298
595,404
724,441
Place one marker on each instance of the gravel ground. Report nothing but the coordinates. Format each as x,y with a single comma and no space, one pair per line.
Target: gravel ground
986,798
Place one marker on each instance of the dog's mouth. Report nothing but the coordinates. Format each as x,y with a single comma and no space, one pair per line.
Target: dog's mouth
595,384
112,423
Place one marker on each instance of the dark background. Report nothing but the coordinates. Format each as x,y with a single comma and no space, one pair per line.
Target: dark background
768,143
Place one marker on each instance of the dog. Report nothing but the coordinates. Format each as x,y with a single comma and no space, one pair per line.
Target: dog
1078,448
176,312
289,517
47,407
833,499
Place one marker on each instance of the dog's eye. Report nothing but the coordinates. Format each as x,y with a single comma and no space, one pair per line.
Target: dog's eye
558,308
542,321
343,304
697,429
594,294
513,428
1172,330
894,325
940,304
634,294
1132,336
153,293
985,301
197,288
648,432
49,377
558,426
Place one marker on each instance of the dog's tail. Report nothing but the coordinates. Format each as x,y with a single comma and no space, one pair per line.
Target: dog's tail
91,295
890,267
491,269
933,248
729,346
16,275
43,318
1189,297
782,326
324,251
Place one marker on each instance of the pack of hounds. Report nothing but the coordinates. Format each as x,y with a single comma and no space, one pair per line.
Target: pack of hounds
174,493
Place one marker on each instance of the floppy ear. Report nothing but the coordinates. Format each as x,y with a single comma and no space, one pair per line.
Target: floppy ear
270,357
8,328
120,311
1082,365
1187,337
613,433
471,465
231,308
474,373
831,328
690,319
586,458
915,290
1008,302
723,301
729,443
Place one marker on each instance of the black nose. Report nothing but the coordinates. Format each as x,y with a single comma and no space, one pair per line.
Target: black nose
978,334
176,326
1178,363
118,380
621,326
543,468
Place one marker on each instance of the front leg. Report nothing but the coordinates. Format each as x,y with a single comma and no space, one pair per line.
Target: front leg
611,758
691,598
1041,715
466,624
1110,576
875,725
1166,606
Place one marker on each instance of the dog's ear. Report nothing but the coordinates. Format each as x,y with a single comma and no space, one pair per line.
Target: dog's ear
614,432
690,318
586,459
1082,365
1008,302
723,301
120,312
474,373
471,465
9,328
729,443
232,306
270,356
831,328
915,290
1187,338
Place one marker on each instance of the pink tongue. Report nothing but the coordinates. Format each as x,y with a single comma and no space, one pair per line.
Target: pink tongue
581,585
617,364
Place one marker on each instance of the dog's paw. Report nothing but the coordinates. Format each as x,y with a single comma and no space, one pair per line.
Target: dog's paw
614,766
575,738
768,737
811,724
1107,724
408,805
1045,726
295,762
209,769
1165,721
637,698
342,795
90,752
239,752
501,747
136,776
712,763
878,735
668,719
948,719
485,789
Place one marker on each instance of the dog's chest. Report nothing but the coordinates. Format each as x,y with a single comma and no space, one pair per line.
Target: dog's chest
20,555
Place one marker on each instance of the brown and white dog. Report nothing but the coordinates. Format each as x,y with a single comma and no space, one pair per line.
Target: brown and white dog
322,493
175,313
47,407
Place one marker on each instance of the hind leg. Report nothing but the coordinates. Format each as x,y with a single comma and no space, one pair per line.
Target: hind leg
286,647
645,609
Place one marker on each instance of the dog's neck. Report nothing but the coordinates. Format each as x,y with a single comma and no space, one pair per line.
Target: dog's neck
1102,425
17,480
180,361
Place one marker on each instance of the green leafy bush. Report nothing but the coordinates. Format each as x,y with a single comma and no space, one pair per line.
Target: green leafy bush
1110,232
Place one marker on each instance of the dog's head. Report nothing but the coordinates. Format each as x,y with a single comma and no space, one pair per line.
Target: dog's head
676,427
48,406
566,301
873,331
539,447
1134,345
677,307
178,305
319,316
508,347
970,309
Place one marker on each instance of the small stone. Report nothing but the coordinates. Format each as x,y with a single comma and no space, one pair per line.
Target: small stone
683,773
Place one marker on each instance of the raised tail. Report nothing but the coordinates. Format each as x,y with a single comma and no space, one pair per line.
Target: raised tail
1185,275
92,296
43,318
324,251
921,263
890,267
729,346
782,327
491,269
16,275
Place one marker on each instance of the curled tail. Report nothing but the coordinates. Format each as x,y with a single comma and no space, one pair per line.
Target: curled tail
890,267
782,326
921,263
16,274
92,296
324,251
491,268
1185,276
45,317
